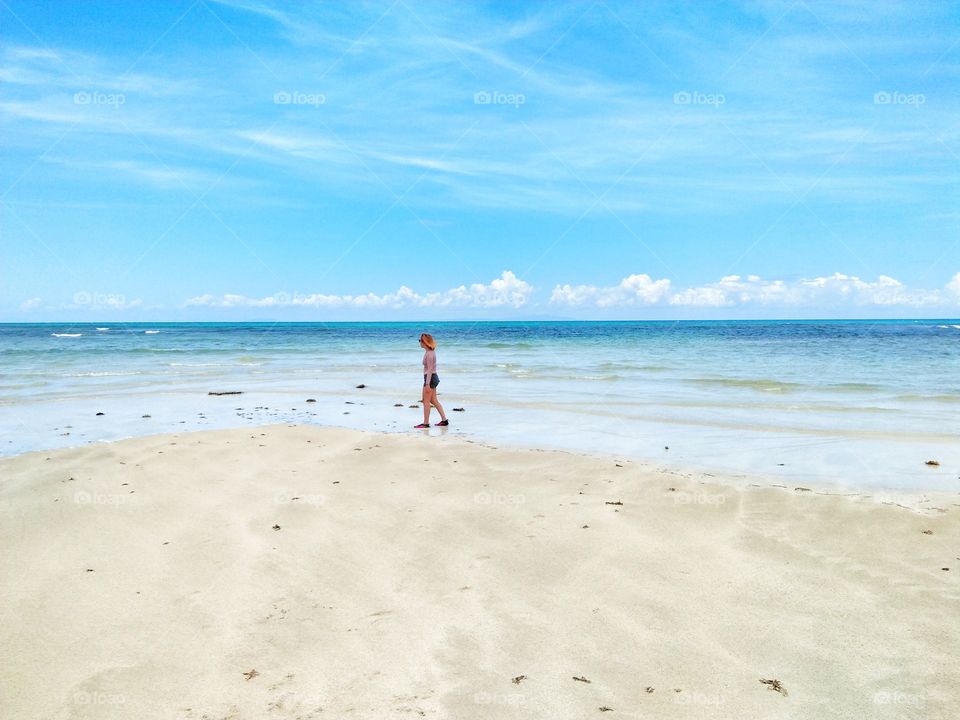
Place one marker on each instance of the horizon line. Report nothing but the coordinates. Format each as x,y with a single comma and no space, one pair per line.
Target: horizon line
469,320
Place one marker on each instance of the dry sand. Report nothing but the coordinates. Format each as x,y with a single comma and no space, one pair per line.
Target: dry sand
421,576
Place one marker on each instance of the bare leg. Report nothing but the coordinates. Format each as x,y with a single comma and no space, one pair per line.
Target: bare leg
425,401
436,404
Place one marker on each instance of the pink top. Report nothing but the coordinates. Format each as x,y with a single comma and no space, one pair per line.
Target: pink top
429,363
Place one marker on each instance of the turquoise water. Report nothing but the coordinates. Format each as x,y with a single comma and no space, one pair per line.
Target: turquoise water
851,402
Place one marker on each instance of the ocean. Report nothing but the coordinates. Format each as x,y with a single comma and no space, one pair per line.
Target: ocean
850,403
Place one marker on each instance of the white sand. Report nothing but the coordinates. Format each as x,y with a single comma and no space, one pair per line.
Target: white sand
417,576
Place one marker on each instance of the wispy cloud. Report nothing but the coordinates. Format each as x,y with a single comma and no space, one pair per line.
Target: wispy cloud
516,135
400,104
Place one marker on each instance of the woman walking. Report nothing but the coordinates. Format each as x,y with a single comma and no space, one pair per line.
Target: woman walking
430,382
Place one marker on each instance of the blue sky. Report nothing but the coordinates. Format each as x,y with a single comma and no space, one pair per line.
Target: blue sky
258,159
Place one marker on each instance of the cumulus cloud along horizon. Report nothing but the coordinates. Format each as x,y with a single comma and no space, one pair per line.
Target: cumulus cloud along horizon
836,289
510,291
505,291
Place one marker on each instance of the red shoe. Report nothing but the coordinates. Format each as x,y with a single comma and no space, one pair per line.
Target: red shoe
421,425
443,423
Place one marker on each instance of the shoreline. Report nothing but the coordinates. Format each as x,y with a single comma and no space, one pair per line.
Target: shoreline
811,403
376,573
823,459
739,480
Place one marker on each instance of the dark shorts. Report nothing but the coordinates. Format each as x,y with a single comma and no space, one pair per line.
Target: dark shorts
434,380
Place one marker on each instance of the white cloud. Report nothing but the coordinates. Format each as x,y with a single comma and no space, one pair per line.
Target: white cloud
954,285
31,304
733,290
836,289
505,291
632,290
85,300
701,297
885,291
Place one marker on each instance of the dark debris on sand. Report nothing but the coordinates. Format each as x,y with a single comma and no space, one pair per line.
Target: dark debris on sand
775,685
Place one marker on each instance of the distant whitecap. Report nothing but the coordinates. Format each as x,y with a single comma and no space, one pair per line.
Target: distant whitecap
102,329
67,334
151,332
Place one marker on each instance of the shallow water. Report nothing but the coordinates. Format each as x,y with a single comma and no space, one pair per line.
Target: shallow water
857,403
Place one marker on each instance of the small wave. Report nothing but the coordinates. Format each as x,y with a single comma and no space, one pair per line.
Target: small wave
854,387
754,384
197,365
101,374
931,398
503,345
102,329
945,327
629,366
150,332
67,334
